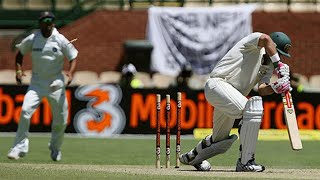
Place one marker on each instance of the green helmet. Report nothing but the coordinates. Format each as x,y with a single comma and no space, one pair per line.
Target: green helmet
282,41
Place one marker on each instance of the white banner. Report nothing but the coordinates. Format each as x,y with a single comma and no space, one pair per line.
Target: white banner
196,36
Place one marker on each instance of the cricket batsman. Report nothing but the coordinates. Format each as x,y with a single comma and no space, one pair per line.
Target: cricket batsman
248,63
48,49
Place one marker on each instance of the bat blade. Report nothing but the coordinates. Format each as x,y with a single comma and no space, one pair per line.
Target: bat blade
291,121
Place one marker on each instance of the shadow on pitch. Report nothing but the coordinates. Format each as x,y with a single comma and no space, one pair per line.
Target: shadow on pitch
212,170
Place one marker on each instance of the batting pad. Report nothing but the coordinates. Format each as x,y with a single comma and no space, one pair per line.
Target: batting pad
204,151
250,126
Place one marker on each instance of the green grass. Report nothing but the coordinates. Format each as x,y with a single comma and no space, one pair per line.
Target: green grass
92,158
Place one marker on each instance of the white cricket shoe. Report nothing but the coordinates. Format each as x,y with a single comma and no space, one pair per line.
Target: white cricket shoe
56,155
203,166
19,150
251,166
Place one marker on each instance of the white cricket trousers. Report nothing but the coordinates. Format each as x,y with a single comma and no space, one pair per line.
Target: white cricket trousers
55,93
228,105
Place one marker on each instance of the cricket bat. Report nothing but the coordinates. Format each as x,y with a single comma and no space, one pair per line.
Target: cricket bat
291,119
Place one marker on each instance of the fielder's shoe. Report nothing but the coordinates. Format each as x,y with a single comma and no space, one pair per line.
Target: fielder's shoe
19,150
251,166
203,166
56,155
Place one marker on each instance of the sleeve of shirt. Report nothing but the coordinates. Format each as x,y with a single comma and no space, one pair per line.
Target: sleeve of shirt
68,49
26,44
253,39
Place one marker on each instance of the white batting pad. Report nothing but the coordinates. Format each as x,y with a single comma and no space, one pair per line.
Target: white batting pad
205,150
250,126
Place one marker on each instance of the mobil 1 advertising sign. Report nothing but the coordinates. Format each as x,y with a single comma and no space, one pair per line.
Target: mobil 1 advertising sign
106,109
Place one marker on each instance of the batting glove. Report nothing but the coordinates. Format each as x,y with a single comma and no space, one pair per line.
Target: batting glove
283,70
282,85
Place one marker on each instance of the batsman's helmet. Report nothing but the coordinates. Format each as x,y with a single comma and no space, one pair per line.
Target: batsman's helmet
282,41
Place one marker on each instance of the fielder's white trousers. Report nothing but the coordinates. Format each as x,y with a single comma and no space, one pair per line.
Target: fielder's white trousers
54,91
228,105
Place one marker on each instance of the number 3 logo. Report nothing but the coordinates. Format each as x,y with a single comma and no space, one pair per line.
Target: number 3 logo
103,115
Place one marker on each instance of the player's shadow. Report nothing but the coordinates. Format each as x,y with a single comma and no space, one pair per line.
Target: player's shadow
212,170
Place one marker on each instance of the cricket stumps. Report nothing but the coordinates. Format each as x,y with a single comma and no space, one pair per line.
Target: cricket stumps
167,129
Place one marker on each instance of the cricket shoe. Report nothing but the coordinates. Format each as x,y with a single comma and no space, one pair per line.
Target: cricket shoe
19,150
203,166
56,155
251,166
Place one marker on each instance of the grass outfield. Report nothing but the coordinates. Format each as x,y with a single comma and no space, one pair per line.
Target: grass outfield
134,158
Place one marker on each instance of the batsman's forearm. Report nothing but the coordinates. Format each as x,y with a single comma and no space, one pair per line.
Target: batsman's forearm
270,48
265,89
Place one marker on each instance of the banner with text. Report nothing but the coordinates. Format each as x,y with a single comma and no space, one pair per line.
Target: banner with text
104,110
195,36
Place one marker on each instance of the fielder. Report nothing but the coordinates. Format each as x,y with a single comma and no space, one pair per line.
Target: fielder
248,63
48,48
